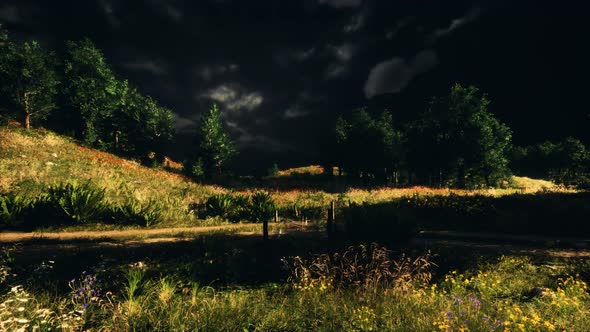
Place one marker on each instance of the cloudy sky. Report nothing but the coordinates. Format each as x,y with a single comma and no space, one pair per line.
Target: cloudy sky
281,70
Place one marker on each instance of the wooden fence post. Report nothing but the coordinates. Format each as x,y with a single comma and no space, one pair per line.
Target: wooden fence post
330,223
265,229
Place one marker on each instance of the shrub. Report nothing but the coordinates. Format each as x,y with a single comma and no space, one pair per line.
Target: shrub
81,203
14,210
134,213
194,169
219,205
263,206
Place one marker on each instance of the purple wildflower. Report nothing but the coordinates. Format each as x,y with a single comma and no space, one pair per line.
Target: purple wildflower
475,301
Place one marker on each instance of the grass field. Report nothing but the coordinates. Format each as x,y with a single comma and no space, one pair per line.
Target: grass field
365,288
32,160
128,278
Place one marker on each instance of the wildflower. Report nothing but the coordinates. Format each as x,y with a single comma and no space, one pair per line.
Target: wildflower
475,301
449,315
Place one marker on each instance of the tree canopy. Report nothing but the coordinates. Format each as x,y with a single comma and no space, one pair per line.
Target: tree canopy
91,90
455,142
215,148
28,79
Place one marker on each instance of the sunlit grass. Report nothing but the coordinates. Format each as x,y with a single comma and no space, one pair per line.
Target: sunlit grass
32,160
510,294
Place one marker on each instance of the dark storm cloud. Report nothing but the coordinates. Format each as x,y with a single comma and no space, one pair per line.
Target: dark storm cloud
10,14
208,72
169,9
184,124
234,97
457,23
341,3
357,22
150,66
109,12
281,70
393,75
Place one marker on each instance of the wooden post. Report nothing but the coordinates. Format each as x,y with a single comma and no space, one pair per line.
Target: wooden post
265,230
330,223
276,215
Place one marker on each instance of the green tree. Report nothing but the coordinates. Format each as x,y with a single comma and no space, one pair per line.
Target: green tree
28,78
91,90
458,141
273,171
139,125
215,149
368,147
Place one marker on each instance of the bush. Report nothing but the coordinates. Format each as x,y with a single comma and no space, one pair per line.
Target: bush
219,205
135,213
80,203
263,206
235,207
14,210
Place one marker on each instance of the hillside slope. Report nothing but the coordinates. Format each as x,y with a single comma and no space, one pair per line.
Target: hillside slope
32,160
29,161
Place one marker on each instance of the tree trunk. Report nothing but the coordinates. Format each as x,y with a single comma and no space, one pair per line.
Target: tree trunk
27,118
116,138
27,121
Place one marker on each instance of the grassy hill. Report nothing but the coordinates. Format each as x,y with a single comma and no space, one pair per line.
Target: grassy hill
32,160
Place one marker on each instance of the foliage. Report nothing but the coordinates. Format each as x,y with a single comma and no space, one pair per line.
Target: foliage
194,168
273,171
367,147
139,125
513,214
28,79
90,91
259,206
263,206
363,268
505,294
14,209
566,162
221,205
459,142
216,148
81,203
134,213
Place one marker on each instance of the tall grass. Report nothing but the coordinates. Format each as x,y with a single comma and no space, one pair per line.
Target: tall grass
326,294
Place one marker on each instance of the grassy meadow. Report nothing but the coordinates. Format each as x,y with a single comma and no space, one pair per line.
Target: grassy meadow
30,161
359,288
230,280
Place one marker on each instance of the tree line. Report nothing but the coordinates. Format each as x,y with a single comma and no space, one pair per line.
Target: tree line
78,93
455,142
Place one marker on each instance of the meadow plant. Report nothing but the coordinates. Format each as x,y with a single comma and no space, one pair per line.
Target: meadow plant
85,291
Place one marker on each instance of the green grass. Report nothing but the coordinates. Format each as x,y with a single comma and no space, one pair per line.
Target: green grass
31,161
507,294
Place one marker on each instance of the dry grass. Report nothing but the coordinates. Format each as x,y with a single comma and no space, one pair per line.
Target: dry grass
31,160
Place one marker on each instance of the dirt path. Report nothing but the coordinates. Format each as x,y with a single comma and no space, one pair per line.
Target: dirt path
11,237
